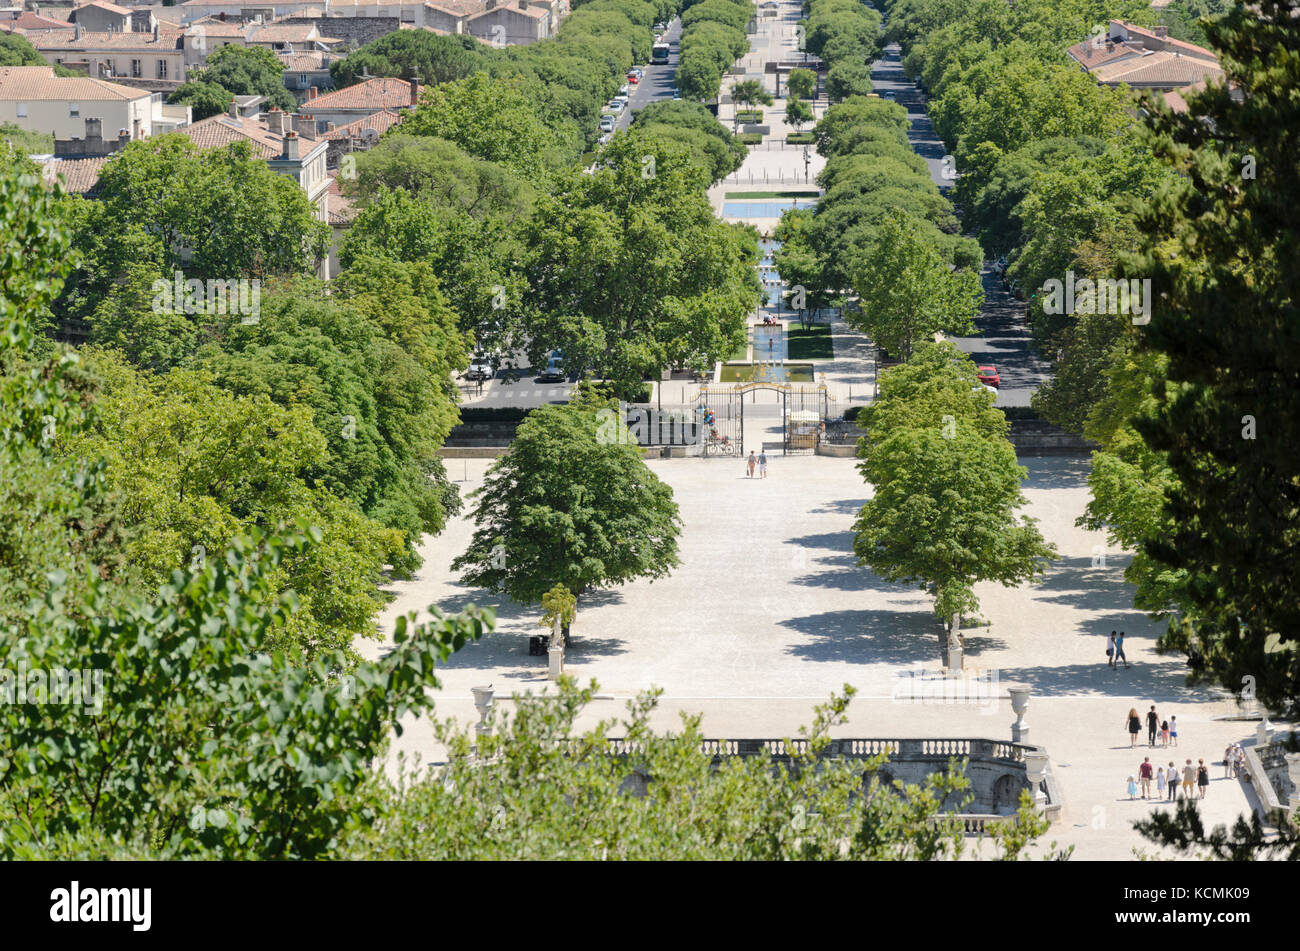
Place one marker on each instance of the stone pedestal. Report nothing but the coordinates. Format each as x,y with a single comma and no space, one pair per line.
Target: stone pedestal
956,661
1262,733
1019,703
555,654
1293,771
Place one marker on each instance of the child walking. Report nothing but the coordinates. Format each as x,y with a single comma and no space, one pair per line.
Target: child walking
1132,788
1160,783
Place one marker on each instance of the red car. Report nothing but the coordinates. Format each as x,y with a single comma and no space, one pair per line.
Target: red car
634,79
988,376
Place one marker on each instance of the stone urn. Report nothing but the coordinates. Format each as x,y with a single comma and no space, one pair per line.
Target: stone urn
483,704
1019,703
1035,768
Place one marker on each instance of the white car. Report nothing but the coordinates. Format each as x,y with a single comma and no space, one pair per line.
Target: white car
607,123
615,106
604,139
624,90
624,100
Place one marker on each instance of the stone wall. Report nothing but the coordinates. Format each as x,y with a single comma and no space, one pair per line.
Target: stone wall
353,31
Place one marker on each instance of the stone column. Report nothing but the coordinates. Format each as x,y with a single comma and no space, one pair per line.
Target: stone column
1019,703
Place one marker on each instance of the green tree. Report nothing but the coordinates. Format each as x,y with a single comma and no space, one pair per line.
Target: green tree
407,53
749,92
798,113
1220,248
630,271
572,504
218,213
945,488
907,292
240,71
489,118
204,97
801,84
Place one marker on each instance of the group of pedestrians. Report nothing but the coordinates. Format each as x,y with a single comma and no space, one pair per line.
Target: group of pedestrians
1115,650
761,461
1168,781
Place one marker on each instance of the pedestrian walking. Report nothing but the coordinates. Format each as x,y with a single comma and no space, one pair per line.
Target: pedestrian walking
1172,778
1153,725
1144,774
1119,651
1173,730
1134,726
1132,788
751,462
1164,733
1160,783
762,465
1189,779
1227,762
1110,649
1202,776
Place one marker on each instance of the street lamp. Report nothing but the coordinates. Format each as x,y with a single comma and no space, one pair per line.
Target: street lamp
807,159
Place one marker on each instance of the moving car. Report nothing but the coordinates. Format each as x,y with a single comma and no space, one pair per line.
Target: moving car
553,373
479,368
607,123
988,376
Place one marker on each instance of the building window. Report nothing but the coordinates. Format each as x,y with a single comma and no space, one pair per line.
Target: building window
302,80
162,69
22,110
137,69
74,110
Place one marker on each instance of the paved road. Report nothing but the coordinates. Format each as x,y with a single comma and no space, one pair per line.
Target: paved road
1002,338
527,390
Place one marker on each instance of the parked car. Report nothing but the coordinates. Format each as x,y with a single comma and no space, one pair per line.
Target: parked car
607,123
615,106
480,368
604,139
554,372
625,90
633,79
988,376
677,94
625,101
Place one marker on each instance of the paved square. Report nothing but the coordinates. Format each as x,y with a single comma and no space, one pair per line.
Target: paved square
768,613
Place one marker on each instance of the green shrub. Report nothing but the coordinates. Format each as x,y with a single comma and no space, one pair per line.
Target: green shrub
750,138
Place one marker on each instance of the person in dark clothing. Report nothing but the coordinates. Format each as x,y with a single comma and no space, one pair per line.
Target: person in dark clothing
1134,726
1153,725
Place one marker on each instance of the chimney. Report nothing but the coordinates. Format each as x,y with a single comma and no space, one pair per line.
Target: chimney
1162,31
234,108
76,33
275,122
155,32
312,92
94,129
415,92
290,146
329,127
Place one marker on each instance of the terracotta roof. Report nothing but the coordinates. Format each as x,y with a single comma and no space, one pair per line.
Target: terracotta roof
104,40
535,13
80,176
288,33
380,121
34,21
1190,49
222,130
214,27
39,82
1158,69
458,8
103,5
1090,57
307,60
373,94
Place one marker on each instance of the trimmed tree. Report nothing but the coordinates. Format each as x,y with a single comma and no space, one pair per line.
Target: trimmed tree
573,504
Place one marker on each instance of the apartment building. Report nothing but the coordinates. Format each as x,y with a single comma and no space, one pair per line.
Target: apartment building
32,97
